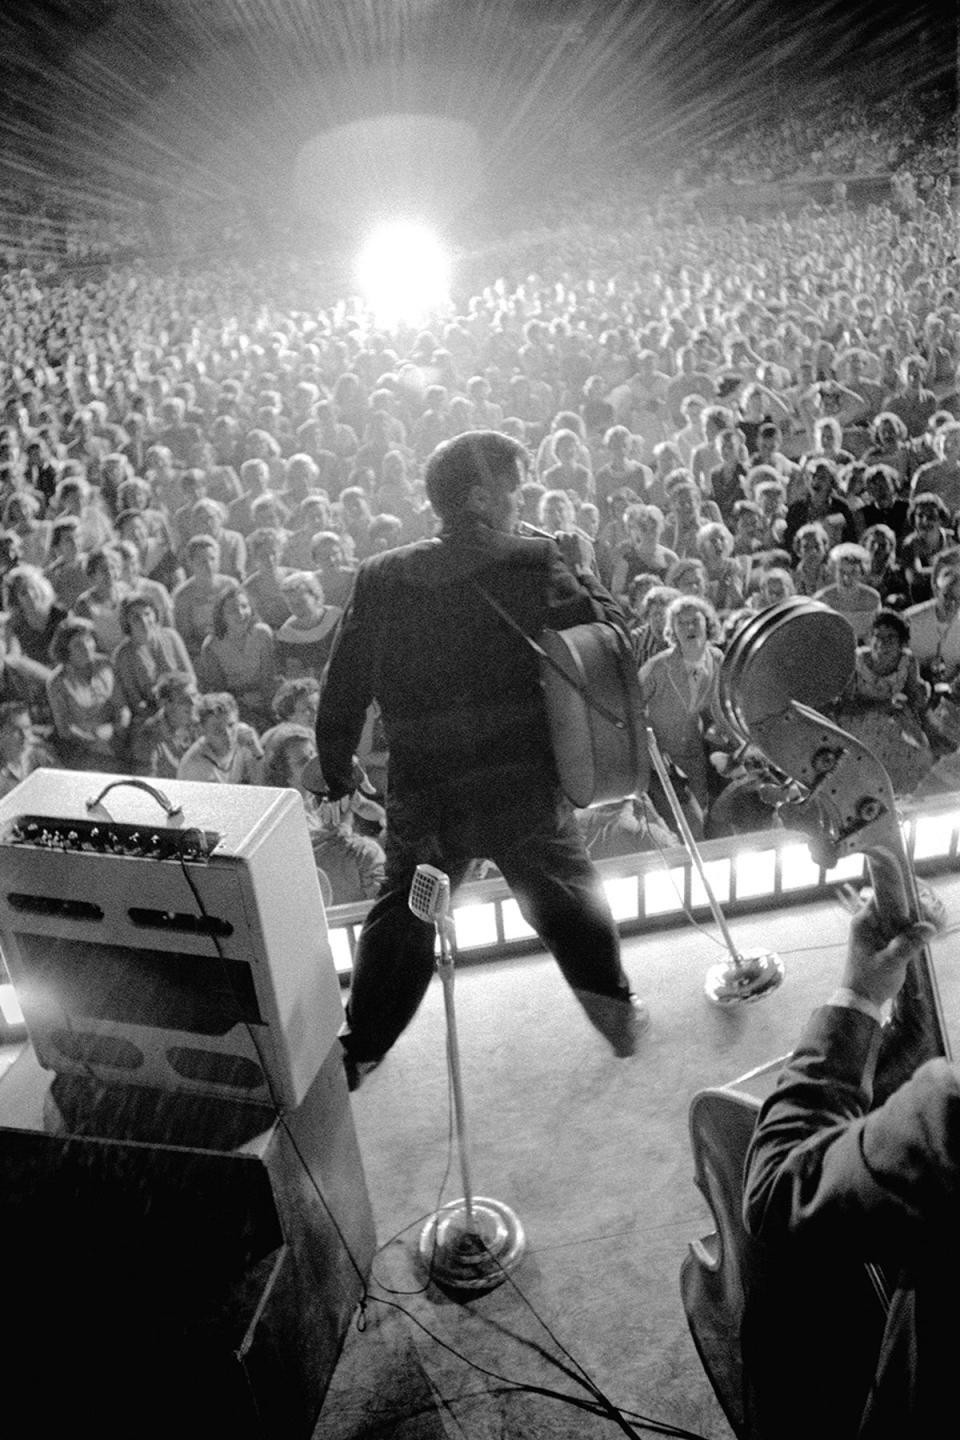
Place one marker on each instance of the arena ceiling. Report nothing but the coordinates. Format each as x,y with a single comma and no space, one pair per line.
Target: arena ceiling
201,97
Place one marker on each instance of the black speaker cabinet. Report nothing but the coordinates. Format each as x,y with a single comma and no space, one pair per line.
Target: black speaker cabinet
176,1264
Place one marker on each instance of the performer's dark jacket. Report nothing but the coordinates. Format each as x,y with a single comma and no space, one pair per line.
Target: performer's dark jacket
458,688
831,1184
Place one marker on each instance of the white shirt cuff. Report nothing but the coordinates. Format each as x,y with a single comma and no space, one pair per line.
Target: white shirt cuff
850,1000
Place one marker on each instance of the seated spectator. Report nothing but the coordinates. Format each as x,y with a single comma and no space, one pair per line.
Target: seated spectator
295,703
100,602
935,623
32,612
941,476
725,578
353,863
883,572
687,514
559,517
206,518
195,597
226,752
679,688
882,505
89,717
312,518
254,482
385,533
136,583
305,640
620,472
22,750
641,551
927,539
569,473
913,404
823,499
649,634
21,678
150,650
624,827
162,738
66,570
137,519
725,484
21,515
239,655
856,601
265,580
335,574
770,586
74,496
889,446
885,702
357,518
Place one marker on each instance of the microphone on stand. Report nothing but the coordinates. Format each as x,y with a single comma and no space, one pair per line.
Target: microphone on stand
471,1243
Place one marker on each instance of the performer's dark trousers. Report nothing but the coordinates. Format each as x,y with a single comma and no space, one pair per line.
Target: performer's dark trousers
530,833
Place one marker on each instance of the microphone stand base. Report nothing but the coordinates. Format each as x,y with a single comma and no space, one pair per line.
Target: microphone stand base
477,1253
742,980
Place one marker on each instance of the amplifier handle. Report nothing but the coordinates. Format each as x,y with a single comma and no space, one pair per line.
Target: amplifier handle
166,806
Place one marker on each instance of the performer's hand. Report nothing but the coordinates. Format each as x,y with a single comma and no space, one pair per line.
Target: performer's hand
876,963
569,547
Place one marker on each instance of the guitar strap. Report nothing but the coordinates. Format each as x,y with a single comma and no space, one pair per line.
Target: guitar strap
546,659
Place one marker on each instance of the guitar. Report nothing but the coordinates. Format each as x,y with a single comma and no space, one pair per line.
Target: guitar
760,1325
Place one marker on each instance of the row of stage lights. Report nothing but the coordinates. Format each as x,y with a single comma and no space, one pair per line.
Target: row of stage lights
648,890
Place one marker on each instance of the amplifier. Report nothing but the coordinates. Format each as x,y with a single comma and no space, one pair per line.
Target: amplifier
170,938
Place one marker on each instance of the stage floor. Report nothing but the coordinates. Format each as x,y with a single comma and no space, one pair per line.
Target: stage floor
592,1154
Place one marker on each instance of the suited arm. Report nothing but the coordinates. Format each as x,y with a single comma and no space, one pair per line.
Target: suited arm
347,688
576,597
825,1170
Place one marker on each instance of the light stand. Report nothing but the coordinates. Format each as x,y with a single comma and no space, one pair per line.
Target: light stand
744,977
472,1243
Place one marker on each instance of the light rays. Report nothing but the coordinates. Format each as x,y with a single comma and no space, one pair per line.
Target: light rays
209,101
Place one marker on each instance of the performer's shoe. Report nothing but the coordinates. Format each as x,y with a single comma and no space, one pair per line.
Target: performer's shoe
357,1071
621,1022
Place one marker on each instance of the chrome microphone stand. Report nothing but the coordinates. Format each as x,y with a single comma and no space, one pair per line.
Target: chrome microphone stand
744,977
472,1243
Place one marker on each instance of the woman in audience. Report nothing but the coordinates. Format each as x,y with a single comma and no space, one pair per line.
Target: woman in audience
641,552
928,538
725,579
240,655
354,864
89,717
226,752
33,612
149,651
304,641
679,688
885,703
100,602
856,601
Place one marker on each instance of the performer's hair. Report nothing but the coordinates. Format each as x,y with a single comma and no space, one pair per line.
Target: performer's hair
478,457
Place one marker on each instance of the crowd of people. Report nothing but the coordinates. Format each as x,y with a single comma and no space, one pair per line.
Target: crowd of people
719,413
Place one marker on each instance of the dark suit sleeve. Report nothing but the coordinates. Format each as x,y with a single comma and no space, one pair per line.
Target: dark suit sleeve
577,599
348,683
826,1170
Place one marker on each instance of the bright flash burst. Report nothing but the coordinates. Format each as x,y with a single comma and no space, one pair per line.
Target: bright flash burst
403,273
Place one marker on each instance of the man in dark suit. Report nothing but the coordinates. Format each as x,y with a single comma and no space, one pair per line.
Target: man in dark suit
471,772
834,1180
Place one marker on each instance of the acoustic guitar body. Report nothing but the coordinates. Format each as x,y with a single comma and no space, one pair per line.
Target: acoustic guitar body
595,713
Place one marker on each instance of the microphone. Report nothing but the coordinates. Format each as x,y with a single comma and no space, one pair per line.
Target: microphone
430,895
523,527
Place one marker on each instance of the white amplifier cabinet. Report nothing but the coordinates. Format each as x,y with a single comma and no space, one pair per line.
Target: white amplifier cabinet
170,937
